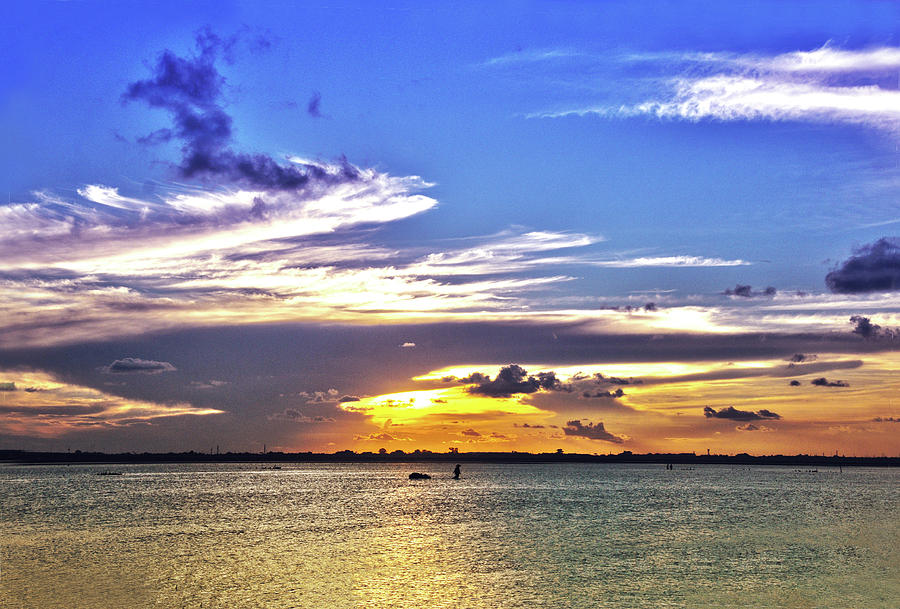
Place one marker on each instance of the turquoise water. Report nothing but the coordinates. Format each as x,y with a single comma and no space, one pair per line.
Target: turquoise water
335,536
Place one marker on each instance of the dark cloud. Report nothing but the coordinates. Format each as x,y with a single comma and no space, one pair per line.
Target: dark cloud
824,382
604,394
803,357
592,431
865,328
55,410
7,386
733,414
887,419
314,106
348,398
475,377
510,380
872,268
795,383
650,306
135,365
470,432
614,380
190,90
529,426
746,291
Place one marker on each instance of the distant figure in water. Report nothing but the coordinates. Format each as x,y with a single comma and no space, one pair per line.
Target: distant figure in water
456,472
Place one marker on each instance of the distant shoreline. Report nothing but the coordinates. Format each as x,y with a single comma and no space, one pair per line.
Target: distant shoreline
32,457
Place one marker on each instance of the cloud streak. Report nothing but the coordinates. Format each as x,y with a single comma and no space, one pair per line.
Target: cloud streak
825,85
52,408
134,365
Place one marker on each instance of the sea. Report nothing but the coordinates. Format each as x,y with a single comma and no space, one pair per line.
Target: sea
324,536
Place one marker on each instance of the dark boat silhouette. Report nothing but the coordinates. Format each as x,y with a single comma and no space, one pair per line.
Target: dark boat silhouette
419,476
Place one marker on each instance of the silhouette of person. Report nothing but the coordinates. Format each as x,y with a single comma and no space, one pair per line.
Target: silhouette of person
456,472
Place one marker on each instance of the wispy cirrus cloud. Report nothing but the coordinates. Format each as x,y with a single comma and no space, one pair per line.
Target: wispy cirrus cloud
667,261
107,264
824,85
51,407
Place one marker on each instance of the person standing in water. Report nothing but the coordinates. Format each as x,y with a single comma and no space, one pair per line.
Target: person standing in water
456,472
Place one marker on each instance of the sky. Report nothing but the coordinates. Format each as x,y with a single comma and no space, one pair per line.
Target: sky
588,226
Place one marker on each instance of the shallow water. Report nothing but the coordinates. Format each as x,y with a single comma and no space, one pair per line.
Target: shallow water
556,535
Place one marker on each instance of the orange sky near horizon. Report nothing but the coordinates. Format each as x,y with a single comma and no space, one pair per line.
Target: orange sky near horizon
661,409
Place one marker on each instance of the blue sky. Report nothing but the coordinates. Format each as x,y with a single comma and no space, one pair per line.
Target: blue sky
539,165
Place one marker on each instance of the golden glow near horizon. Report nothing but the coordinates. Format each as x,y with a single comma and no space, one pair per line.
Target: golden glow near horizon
661,409
439,418
35,403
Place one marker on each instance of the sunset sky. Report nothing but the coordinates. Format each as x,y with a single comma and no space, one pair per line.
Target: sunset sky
595,226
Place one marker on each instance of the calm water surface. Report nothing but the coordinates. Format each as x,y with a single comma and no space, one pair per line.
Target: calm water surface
336,536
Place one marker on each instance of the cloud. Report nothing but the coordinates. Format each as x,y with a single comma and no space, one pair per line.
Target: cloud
886,419
865,328
7,386
803,357
752,427
667,261
470,432
732,413
511,380
348,398
823,382
604,394
190,90
212,384
794,383
314,106
407,345
614,380
53,407
825,85
773,97
134,365
320,397
295,416
872,268
381,437
745,291
592,431
532,56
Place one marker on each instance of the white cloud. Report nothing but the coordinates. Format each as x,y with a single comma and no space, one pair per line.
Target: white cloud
668,261
728,98
532,56
830,59
825,85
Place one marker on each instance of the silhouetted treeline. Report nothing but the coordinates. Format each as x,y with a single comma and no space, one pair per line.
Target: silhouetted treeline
348,456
